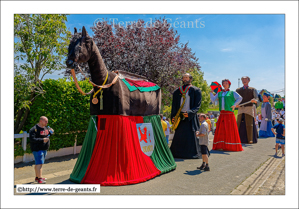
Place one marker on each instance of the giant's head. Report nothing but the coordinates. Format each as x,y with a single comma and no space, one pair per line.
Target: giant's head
226,83
245,80
80,48
266,97
187,78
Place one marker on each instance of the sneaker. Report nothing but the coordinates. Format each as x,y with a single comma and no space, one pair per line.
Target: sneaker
275,154
201,167
41,181
283,155
207,168
36,179
196,156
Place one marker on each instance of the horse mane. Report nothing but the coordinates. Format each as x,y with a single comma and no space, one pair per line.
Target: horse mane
77,36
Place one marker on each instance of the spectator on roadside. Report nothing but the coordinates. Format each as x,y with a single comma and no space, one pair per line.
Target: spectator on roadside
279,105
209,123
282,112
256,123
167,132
211,115
283,116
273,117
39,136
259,119
203,141
277,118
280,136
164,126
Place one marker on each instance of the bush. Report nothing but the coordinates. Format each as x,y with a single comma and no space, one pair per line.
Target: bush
66,109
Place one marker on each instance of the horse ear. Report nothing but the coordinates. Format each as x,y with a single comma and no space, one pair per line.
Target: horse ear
84,32
75,30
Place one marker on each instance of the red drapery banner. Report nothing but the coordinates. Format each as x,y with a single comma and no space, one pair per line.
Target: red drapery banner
117,158
140,83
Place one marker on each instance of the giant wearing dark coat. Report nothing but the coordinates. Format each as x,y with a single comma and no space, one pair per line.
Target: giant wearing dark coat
183,144
245,119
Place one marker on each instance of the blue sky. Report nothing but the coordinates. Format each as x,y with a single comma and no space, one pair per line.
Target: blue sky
228,46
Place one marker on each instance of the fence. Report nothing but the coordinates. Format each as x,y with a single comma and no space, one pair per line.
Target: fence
61,152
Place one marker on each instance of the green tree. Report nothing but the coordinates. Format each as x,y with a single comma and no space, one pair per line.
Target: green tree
202,84
40,46
197,81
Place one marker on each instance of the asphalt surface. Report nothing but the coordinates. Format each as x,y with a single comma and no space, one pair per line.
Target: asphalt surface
228,170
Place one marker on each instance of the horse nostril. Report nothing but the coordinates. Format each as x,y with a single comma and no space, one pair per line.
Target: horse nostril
69,62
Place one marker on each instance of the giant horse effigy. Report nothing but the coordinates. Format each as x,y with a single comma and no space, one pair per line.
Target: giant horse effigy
114,151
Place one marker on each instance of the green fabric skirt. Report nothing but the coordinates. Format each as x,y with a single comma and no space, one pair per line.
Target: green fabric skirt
86,152
162,156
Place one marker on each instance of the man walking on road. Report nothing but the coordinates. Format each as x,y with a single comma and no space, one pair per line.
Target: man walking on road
39,144
203,141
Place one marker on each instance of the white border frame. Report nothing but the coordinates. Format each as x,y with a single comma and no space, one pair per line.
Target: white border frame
8,9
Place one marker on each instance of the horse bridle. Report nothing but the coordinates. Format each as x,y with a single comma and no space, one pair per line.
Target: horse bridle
93,84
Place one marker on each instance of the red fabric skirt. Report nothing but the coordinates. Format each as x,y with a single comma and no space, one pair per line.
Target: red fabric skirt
117,158
227,135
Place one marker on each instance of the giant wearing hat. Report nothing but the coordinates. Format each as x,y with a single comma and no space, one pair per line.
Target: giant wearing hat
247,112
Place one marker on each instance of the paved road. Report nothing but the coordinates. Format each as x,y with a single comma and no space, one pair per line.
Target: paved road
275,184
228,170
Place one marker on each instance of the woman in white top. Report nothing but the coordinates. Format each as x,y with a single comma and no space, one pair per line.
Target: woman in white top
227,135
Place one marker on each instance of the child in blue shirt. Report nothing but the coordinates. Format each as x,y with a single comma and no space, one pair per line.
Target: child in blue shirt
280,138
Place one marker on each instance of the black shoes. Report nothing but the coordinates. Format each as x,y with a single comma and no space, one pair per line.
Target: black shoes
201,167
204,167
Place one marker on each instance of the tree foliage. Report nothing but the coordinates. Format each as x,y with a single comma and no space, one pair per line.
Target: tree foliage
153,51
67,111
40,46
202,84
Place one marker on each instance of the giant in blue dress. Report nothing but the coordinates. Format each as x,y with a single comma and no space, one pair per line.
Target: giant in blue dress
266,124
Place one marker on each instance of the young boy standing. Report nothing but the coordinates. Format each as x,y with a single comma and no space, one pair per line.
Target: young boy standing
203,140
280,138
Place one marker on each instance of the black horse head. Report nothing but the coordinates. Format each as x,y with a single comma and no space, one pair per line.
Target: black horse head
80,48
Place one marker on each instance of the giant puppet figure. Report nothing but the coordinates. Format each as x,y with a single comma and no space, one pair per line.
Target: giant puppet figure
247,112
185,105
114,151
266,124
226,135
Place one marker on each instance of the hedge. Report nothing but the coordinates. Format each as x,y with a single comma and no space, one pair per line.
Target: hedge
66,109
